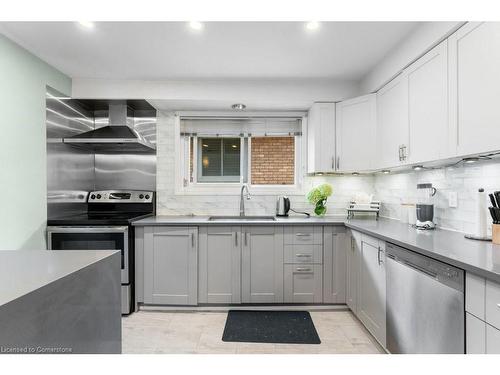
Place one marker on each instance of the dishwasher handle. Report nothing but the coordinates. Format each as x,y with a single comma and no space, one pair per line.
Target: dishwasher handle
444,273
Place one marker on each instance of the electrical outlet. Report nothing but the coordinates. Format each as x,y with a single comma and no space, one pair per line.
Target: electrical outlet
453,199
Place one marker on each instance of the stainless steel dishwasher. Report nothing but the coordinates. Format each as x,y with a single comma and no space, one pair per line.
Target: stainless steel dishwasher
425,304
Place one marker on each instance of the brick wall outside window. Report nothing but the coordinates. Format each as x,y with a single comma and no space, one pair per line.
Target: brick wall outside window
273,161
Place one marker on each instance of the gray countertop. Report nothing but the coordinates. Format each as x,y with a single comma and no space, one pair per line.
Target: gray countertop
204,220
24,271
479,257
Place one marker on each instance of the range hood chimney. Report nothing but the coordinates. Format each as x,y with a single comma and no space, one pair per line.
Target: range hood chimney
117,137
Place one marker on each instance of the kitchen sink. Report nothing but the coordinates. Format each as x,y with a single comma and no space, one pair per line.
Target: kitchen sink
242,218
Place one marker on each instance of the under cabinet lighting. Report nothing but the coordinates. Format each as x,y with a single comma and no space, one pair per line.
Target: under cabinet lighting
312,25
319,174
386,171
355,173
196,25
418,167
470,160
87,24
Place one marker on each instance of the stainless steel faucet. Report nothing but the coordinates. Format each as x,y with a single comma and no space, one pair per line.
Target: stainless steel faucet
242,202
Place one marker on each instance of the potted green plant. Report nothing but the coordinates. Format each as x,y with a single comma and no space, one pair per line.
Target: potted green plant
318,196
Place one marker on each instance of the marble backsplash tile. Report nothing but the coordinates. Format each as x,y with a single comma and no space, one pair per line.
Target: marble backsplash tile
465,180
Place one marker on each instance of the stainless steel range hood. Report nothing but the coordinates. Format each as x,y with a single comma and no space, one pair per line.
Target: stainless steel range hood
117,137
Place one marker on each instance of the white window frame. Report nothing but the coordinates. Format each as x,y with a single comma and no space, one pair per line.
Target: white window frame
184,187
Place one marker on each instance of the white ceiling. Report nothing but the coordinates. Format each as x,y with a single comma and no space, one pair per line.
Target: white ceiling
222,50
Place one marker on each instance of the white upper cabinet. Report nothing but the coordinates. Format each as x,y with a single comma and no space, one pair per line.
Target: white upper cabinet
321,138
474,63
356,125
428,106
392,123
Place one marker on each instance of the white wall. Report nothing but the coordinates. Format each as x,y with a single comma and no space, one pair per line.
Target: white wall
420,40
188,95
23,166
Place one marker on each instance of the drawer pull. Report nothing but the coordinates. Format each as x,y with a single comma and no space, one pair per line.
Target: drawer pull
302,234
498,305
303,255
303,270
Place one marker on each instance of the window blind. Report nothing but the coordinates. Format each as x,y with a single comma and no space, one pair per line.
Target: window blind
241,127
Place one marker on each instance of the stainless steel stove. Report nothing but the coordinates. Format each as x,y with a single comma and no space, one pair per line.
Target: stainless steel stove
105,226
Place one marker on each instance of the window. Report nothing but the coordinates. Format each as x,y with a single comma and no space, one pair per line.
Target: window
223,153
218,159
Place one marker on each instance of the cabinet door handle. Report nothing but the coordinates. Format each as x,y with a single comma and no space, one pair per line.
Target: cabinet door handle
236,238
246,240
338,162
378,256
192,239
302,234
333,162
303,269
498,305
303,255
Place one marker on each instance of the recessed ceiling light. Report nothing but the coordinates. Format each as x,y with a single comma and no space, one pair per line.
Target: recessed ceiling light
312,25
196,25
87,24
238,106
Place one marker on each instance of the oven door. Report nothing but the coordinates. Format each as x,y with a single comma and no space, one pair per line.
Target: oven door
92,238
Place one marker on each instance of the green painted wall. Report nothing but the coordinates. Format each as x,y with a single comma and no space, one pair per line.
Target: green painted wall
23,177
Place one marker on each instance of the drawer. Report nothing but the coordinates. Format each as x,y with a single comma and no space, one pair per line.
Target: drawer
492,305
475,287
304,254
303,235
303,283
492,340
475,335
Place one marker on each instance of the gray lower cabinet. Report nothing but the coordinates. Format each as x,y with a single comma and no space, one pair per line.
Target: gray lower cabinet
371,288
352,269
303,283
219,264
262,264
334,264
475,333
171,265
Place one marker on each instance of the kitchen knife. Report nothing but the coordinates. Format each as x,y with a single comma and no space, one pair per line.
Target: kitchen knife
492,200
497,198
493,214
497,214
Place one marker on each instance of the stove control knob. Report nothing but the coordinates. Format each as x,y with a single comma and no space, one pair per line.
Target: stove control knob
147,196
92,196
141,196
98,196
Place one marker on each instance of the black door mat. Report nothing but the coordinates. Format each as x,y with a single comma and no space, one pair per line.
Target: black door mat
278,327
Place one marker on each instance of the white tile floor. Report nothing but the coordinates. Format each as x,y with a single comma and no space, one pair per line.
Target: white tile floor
201,332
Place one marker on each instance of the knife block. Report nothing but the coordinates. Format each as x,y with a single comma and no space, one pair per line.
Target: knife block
495,234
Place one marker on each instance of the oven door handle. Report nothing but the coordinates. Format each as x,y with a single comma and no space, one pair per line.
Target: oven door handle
100,229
